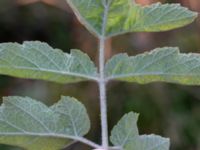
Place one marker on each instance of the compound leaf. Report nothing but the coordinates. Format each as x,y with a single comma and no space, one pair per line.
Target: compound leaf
113,17
38,60
162,64
154,142
29,124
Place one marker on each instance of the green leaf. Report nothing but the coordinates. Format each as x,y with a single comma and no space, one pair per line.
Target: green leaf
29,124
125,133
162,64
125,136
73,115
38,60
154,142
113,17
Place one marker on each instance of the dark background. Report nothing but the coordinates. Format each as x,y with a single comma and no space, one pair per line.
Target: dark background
169,110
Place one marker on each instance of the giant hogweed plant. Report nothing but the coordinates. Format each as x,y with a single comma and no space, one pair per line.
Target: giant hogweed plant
29,124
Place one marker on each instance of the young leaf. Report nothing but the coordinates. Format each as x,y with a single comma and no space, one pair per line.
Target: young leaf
38,60
113,17
162,64
125,133
30,124
154,142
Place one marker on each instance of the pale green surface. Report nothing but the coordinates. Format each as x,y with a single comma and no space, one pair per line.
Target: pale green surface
162,64
114,17
154,142
73,116
125,135
28,123
37,60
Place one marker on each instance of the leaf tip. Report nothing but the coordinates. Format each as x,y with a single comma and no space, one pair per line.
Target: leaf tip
132,115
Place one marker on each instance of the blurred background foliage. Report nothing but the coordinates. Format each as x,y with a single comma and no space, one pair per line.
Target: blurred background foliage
166,109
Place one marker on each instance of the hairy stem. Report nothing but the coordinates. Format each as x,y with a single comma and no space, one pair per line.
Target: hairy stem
102,91
102,81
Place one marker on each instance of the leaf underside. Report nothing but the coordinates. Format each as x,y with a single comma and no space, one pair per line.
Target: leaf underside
37,60
125,135
113,17
162,64
154,142
29,124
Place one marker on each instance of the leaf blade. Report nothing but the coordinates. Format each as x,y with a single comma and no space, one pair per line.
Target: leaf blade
110,18
159,17
160,65
37,60
125,133
125,136
27,123
68,107
154,142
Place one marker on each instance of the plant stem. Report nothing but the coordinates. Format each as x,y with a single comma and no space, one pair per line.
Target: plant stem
102,81
102,92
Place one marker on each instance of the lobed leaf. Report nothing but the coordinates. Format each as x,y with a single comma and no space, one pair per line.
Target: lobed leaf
38,60
125,133
29,124
162,64
113,17
125,136
73,115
